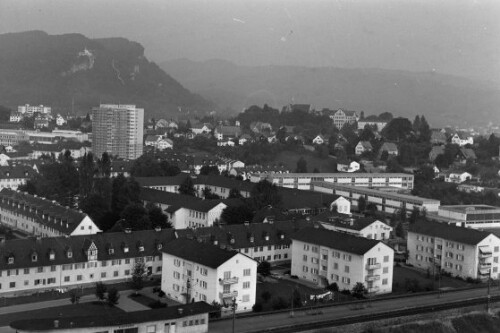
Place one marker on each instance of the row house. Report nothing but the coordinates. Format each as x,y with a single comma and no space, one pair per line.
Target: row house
325,256
268,241
204,272
40,217
77,149
37,264
227,132
185,318
460,251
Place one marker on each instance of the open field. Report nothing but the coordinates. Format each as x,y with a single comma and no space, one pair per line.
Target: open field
290,158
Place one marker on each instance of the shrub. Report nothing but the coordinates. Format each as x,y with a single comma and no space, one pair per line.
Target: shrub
161,293
157,305
279,303
113,296
294,277
266,296
346,292
257,307
470,280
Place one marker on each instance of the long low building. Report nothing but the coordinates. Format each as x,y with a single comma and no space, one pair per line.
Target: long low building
472,216
387,202
303,181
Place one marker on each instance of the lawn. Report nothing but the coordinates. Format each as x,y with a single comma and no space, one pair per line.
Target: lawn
144,300
402,274
290,158
82,309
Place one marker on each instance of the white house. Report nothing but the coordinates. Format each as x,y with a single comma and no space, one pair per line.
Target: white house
379,124
319,140
203,272
462,139
458,177
200,129
159,142
463,252
351,167
325,256
60,120
363,147
358,226
342,117
16,117
195,214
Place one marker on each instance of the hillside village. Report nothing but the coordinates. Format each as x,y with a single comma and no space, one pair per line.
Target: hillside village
212,210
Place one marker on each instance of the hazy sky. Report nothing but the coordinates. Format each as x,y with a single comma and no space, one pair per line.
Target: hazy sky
460,37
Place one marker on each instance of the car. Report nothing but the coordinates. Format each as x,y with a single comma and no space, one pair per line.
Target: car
61,290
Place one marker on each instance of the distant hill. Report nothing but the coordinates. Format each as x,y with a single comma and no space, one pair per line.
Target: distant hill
443,99
59,70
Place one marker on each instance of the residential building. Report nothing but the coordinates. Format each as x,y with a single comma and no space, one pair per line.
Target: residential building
390,147
41,121
366,227
319,140
195,214
470,216
40,217
269,241
205,272
227,132
186,318
16,117
159,142
462,139
55,136
38,264
60,121
12,137
342,117
464,155
77,149
435,152
303,181
438,137
32,109
13,176
457,178
386,201
325,256
201,128
118,130
378,124
363,147
348,167
463,252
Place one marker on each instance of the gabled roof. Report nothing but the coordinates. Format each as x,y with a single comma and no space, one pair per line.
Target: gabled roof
228,130
197,205
389,146
16,172
198,252
365,144
107,320
343,221
163,197
22,249
152,138
162,181
299,199
449,232
335,240
468,153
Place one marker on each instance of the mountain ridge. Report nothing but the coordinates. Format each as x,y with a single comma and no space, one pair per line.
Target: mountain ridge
72,71
444,98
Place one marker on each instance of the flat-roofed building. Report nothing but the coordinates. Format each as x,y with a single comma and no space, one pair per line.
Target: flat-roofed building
463,252
387,202
302,181
325,256
472,216
186,318
204,272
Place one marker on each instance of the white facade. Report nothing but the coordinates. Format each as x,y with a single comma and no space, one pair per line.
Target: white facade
60,120
186,280
471,216
190,218
316,263
351,167
462,141
458,177
377,230
476,261
340,118
380,124
31,109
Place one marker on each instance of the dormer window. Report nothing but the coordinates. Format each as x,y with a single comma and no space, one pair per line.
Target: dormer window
34,257
52,255
111,251
69,254
10,260
251,239
159,246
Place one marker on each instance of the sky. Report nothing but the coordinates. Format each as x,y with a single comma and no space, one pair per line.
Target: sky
458,37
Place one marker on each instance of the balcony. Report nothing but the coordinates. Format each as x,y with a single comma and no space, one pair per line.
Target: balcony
484,265
372,278
484,252
231,280
372,266
229,294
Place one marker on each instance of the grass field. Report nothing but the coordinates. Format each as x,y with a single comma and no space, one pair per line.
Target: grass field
83,309
402,274
290,158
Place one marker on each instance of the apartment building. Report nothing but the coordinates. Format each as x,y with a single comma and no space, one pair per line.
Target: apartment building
387,202
303,181
32,109
36,264
118,130
195,214
261,241
14,176
325,256
343,117
463,252
40,217
186,318
204,272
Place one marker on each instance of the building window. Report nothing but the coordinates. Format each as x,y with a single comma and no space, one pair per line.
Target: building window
305,269
26,271
12,285
315,249
306,247
385,270
304,257
151,329
246,285
314,260
177,275
386,258
246,272
39,269
79,278
103,275
66,279
177,262
346,269
115,273
335,265
384,281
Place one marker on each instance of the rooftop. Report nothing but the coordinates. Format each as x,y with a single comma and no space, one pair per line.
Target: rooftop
450,232
471,209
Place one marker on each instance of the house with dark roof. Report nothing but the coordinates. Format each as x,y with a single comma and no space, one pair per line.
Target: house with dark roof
37,264
195,214
227,132
464,155
41,217
325,256
367,227
15,175
363,147
462,139
268,241
390,147
185,318
464,252
205,272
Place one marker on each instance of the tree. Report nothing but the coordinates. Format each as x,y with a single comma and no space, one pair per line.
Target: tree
124,192
136,217
138,274
113,296
100,291
237,214
301,165
74,297
209,170
361,204
207,194
265,194
399,230
234,193
187,187
415,213
156,217
359,290
397,129
86,172
266,296
96,208
333,287
296,299
264,268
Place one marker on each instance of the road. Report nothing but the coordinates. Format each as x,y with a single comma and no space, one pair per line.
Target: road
256,324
